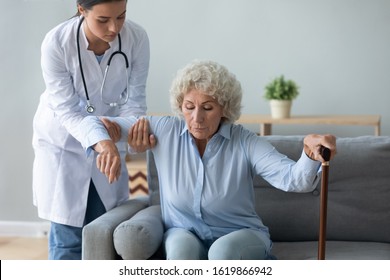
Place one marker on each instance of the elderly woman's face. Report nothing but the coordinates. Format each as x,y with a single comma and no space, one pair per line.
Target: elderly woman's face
202,114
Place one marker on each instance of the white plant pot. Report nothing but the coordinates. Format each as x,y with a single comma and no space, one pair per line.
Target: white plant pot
280,109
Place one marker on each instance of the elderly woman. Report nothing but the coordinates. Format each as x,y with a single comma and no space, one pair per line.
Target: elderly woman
206,166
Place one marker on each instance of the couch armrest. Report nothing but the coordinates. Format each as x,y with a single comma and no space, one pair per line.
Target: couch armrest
98,235
140,237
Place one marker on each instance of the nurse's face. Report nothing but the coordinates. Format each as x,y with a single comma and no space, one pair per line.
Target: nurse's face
104,21
202,114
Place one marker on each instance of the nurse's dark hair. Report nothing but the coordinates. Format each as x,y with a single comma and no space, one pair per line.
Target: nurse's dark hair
88,4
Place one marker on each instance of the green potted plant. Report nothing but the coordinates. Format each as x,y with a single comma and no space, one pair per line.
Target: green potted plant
280,92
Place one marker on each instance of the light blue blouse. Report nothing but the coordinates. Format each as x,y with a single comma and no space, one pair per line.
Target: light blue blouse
213,195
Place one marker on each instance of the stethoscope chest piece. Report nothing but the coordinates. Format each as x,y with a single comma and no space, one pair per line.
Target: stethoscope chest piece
90,109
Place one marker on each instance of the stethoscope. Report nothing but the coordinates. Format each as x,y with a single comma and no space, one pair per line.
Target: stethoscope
89,107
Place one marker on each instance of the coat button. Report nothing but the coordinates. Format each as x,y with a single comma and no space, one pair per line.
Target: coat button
315,192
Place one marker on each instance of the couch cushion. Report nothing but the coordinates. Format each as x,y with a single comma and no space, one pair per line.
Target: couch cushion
140,236
335,250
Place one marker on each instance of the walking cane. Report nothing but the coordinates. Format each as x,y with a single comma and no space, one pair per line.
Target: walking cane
325,153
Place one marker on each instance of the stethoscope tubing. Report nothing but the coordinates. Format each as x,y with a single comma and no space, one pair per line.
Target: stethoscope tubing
89,107
79,56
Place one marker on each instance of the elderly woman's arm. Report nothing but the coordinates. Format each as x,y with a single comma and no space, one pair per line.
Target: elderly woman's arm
139,137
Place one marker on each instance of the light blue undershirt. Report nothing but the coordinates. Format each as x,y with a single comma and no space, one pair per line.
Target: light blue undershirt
99,58
213,195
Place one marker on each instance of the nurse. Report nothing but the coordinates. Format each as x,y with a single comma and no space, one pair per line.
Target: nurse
68,190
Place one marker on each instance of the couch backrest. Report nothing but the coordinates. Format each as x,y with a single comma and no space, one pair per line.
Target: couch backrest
358,198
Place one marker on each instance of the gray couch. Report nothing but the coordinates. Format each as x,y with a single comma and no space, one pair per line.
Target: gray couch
358,210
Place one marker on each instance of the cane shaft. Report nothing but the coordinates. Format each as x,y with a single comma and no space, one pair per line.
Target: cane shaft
323,211
325,153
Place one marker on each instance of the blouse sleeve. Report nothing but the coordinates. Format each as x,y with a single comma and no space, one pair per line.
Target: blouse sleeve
279,170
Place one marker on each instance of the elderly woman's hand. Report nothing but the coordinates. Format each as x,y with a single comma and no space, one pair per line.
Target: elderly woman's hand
312,145
139,137
108,161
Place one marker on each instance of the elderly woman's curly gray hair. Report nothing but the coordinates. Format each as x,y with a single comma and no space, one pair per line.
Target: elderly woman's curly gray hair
214,80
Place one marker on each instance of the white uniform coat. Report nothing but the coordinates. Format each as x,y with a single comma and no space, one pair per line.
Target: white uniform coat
62,171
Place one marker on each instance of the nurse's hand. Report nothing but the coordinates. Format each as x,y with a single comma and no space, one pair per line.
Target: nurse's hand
113,129
108,161
139,137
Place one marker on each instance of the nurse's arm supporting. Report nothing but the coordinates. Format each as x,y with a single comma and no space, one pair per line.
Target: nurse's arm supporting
108,160
94,136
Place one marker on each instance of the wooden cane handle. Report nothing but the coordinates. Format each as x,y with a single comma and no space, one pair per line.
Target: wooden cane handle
325,153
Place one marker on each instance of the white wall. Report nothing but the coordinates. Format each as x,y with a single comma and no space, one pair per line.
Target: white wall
23,26
336,50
